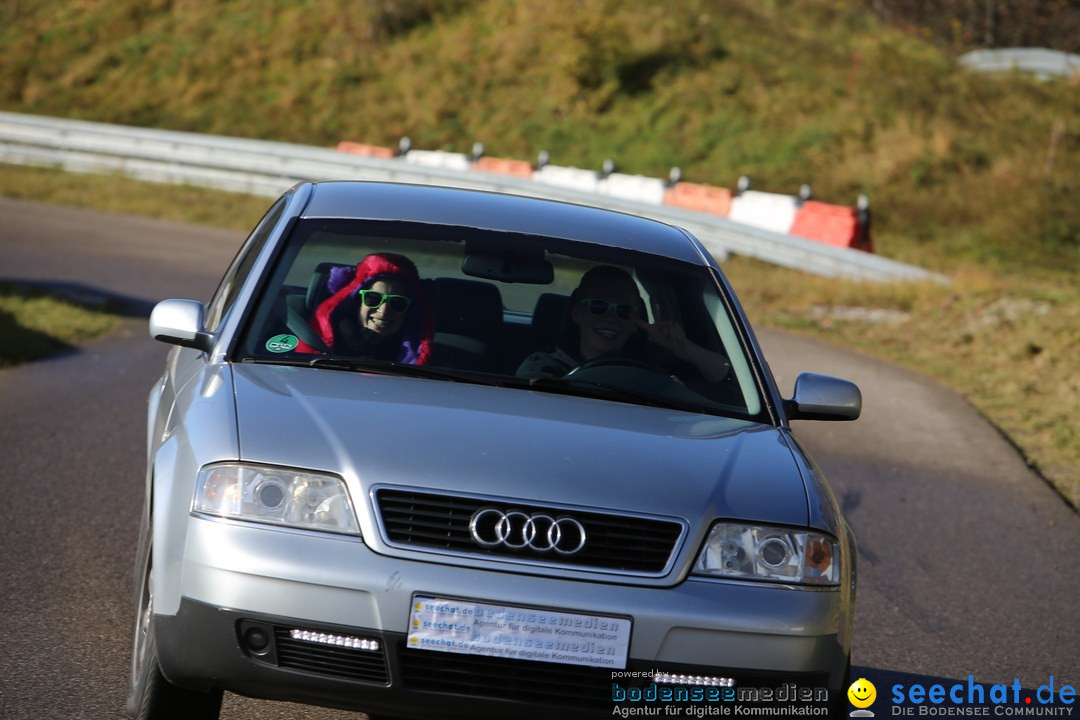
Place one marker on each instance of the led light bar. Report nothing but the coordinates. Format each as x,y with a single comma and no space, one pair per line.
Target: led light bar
664,678
345,641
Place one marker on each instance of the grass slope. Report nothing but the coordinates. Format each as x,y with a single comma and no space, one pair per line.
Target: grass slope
959,165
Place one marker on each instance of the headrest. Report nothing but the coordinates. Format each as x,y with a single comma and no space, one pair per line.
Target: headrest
318,290
548,318
468,307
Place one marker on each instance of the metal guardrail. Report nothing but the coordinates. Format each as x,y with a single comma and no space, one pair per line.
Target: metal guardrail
1042,62
267,168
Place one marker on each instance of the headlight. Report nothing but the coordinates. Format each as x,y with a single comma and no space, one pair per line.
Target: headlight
753,552
275,495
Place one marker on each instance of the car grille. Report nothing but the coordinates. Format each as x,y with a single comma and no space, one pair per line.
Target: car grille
366,666
614,542
575,686
524,681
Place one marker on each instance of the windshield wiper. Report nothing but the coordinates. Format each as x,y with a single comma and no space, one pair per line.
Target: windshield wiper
602,391
300,362
561,385
373,366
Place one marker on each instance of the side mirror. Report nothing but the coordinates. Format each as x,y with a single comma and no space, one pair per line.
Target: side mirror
820,397
180,322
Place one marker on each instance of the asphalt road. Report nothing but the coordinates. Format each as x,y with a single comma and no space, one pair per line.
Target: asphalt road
968,561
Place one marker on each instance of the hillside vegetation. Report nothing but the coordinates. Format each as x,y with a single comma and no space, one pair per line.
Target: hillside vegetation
971,175
783,92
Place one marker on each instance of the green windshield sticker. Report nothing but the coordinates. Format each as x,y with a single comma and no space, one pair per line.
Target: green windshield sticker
282,343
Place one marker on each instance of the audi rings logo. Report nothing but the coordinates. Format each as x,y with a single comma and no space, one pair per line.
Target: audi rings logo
516,530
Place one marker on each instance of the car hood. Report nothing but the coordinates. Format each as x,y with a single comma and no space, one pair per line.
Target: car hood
521,444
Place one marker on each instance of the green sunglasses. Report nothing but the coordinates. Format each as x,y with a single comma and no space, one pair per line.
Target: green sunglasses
603,307
375,299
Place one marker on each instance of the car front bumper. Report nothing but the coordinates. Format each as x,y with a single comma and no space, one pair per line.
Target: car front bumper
237,577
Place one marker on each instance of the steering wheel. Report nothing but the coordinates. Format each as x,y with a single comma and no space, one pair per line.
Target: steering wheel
616,361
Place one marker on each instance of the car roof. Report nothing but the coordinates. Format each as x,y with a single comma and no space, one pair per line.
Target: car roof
498,211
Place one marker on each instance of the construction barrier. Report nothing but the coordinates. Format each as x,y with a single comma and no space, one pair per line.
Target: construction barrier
439,159
504,166
834,225
703,198
768,211
567,177
365,150
632,187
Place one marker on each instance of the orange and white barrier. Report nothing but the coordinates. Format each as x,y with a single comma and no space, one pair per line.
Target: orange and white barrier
703,198
768,211
438,159
632,187
829,224
365,150
567,177
835,225
503,166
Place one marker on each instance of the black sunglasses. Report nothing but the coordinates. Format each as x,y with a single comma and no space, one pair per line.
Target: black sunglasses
375,299
603,307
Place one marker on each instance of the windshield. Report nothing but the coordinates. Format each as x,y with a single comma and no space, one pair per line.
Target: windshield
522,312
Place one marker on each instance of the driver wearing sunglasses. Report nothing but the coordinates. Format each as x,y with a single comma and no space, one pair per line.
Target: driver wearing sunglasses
608,315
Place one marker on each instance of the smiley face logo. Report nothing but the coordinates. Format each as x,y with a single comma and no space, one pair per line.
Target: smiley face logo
862,693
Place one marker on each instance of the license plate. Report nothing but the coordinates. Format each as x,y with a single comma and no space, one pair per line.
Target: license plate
476,628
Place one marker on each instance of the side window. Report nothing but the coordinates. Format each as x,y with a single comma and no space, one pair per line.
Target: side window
241,266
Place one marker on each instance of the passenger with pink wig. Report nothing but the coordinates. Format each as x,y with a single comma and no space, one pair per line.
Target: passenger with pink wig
377,310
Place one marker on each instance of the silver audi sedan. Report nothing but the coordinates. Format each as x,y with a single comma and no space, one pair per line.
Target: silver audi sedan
431,452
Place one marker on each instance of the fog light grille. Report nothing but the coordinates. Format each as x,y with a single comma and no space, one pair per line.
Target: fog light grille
342,656
664,678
